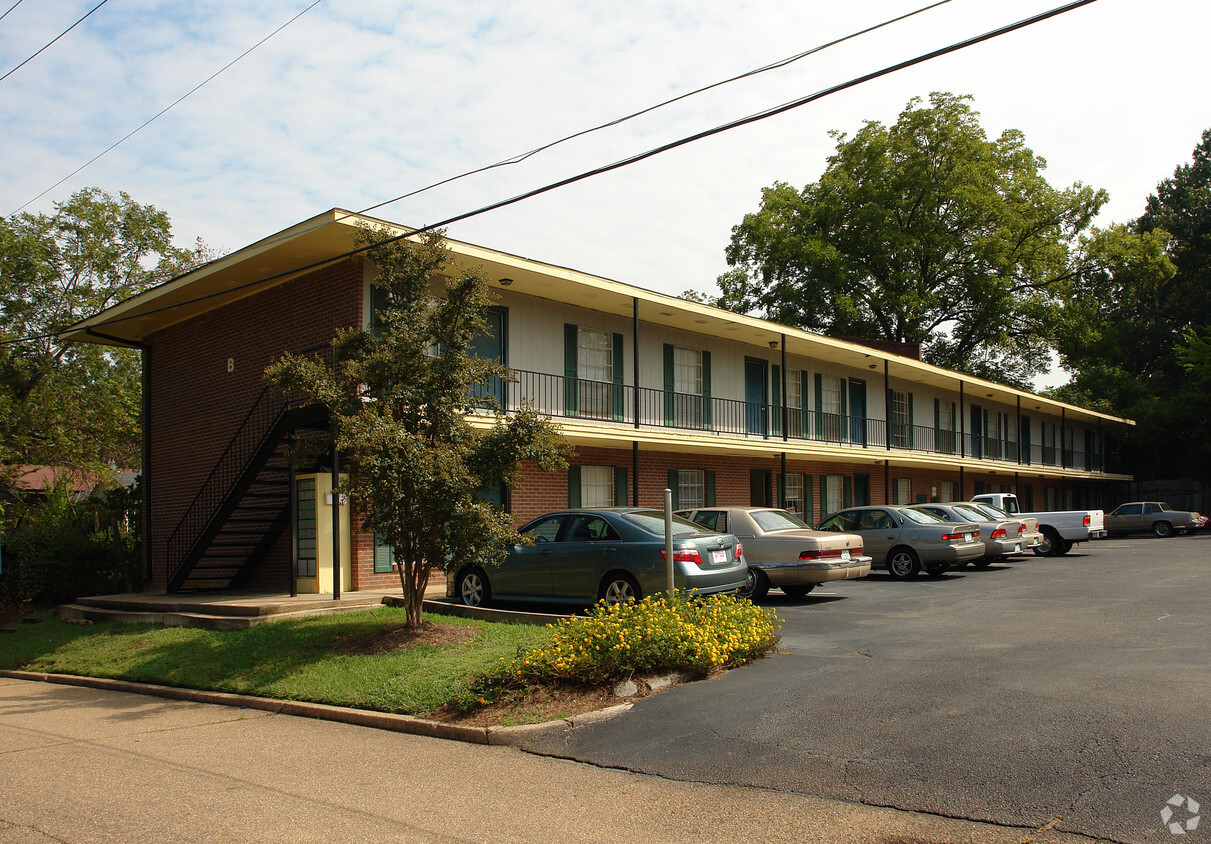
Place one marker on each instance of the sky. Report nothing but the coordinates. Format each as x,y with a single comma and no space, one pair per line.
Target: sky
359,101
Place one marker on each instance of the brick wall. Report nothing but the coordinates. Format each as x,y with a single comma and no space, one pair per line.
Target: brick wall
197,404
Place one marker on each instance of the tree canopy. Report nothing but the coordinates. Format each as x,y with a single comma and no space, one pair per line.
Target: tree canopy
399,402
70,404
924,231
1135,327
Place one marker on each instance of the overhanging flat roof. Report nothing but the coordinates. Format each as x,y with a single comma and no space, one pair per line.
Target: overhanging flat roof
329,237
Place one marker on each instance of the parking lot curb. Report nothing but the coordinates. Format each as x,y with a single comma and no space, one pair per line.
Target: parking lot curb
501,736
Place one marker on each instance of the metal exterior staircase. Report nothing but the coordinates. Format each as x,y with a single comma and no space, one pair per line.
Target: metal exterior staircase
244,505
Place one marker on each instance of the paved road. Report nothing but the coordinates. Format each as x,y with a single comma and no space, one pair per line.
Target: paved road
83,765
1075,688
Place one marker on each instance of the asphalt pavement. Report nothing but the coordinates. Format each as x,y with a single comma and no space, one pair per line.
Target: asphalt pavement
1075,688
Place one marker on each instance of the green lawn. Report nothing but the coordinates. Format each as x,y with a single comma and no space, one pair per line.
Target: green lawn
296,659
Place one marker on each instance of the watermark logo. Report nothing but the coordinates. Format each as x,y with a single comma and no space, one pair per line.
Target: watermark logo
1180,814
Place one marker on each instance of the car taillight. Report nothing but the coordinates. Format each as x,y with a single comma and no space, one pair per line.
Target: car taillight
1021,529
950,537
1085,521
739,552
684,555
1000,533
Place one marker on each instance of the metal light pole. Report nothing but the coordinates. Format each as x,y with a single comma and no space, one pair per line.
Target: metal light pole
668,534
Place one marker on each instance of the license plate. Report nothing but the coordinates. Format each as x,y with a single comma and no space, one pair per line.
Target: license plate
967,537
718,556
1017,549
845,555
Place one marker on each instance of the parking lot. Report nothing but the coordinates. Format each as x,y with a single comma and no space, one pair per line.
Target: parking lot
1074,688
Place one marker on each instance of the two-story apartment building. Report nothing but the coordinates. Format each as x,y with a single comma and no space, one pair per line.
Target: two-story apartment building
653,391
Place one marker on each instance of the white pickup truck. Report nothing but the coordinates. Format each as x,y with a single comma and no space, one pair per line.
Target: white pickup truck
1061,529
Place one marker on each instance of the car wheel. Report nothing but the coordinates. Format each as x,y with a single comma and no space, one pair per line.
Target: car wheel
1051,541
797,591
983,562
903,563
756,585
473,589
937,569
1162,529
1061,548
618,588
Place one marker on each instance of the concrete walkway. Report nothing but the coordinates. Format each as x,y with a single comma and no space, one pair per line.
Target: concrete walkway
88,765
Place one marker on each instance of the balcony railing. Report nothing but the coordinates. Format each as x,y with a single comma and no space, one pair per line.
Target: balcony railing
599,401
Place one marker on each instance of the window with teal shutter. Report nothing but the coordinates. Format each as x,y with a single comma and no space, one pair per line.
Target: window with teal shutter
384,556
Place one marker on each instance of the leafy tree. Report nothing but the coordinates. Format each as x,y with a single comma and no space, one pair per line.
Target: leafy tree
925,231
75,404
399,402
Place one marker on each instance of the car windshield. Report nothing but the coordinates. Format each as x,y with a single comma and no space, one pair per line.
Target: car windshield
921,517
652,521
991,509
769,520
972,513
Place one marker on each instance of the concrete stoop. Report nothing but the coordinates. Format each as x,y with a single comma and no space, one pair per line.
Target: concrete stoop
236,614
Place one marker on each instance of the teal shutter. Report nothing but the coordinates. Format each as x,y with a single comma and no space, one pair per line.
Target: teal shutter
378,302
819,406
776,422
805,422
384,556
571,386
847,491
573,486
619,395
809,495
708,488
670,400
706,390
620,487
937,425
827,508
844,421
673,484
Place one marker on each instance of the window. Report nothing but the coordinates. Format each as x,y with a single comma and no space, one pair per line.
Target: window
831,408
687,387
992,429
796,426
691,489
901,419
833,493
596,486
595,369
794,493
944,426
948,491
902,491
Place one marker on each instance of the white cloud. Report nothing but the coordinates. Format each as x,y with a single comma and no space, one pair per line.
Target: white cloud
358,102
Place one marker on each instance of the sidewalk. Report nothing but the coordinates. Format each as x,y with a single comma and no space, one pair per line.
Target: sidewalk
90,765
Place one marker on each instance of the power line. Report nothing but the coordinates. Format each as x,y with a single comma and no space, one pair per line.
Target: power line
10,8
164,110
52,41
771,66
517,159
753,118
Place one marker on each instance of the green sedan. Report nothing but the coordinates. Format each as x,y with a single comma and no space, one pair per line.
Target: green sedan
610,554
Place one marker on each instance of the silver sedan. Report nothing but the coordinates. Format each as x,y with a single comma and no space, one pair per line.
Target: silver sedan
783,552
1002,538
905,540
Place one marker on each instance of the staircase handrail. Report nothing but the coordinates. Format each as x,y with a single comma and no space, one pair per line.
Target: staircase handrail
261,420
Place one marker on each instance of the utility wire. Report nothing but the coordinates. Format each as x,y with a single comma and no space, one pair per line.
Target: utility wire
517,159
164,110
753,118
773,65
52,41
10,8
